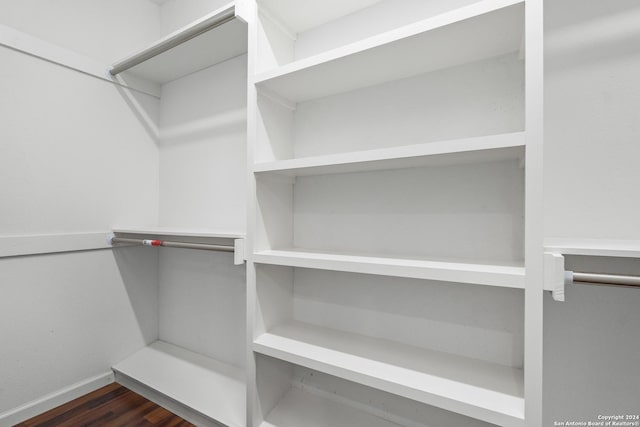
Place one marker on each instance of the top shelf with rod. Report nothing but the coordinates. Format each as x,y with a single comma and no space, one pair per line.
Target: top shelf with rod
214,38
185,239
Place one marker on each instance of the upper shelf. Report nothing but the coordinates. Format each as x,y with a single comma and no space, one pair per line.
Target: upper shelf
485,29
440,153
212,39
179,232
184,238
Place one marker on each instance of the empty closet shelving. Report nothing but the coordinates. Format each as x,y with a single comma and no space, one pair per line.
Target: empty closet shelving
388,159
194,365
479,389
210,40
211,388
395,335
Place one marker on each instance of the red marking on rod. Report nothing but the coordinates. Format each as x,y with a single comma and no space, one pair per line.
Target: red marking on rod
156,243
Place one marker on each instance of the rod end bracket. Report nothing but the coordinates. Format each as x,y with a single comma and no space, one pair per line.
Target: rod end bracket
554,275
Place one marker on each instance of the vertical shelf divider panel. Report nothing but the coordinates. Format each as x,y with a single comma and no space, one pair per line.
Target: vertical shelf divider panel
534,205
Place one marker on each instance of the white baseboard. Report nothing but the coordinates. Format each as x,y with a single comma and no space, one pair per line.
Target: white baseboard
55,399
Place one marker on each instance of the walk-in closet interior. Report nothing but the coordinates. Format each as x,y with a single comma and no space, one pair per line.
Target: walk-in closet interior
339,213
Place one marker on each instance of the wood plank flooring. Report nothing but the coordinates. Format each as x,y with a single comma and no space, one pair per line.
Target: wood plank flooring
110,406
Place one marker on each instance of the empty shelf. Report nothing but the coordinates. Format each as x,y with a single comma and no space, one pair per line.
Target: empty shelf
478,389
203,48
459,151
482,30
510,276
179,232
213,389
301,408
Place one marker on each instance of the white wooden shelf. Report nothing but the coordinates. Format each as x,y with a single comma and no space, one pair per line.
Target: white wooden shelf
211,388
478,389
505,275
594,247
302,408
206,49
440,153
179,232
486,29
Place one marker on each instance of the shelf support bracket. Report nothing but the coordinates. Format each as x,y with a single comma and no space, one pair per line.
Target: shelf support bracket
239,256
554,275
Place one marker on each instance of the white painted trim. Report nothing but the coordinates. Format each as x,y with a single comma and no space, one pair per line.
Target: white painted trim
55,399
253,417
534,213
42,49
53,243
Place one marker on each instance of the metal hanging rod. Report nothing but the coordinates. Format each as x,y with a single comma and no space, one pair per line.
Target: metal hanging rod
173,41
602,279
168,244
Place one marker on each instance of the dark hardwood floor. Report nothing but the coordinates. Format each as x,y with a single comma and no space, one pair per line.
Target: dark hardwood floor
109,406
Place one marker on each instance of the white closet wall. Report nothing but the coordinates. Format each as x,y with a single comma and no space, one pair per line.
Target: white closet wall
175,14
109,29
202,186
203,148
592,99
72,156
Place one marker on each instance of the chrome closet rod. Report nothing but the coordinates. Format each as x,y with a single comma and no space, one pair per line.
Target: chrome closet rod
603,279
168,244
171,42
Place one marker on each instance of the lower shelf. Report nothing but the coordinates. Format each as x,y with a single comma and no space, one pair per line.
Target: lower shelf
478,389
300,408
209,387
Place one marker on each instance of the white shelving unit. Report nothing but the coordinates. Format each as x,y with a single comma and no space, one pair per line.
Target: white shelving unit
387,167
202,49
213,389
474,388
